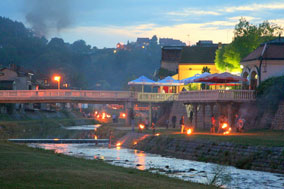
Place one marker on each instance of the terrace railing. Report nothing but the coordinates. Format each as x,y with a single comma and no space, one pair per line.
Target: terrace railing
217,95
157,97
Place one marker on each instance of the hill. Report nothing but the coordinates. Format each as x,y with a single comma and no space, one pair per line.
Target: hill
80,64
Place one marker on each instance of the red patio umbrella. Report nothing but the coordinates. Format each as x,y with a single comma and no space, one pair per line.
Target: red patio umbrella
221,78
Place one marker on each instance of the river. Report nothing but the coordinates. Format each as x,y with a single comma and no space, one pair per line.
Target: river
200,172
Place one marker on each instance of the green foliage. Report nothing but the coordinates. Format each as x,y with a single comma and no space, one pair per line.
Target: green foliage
162,73
247,37
270,93
206,69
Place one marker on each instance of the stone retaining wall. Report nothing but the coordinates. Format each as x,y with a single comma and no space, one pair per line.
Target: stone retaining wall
261,158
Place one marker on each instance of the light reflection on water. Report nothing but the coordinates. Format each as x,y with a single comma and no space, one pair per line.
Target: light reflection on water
183,169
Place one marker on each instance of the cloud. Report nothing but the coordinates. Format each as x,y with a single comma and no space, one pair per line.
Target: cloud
189,12
100,36
254,7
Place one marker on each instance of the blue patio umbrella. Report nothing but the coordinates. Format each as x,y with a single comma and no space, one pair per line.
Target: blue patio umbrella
168,81
142,80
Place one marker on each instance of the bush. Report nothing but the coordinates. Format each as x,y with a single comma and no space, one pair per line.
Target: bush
270,93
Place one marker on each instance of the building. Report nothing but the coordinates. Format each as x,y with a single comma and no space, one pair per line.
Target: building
170,58
194,59
140,42
22,80
264,62
207,43
170,42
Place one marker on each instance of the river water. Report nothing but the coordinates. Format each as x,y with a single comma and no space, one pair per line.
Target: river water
200,172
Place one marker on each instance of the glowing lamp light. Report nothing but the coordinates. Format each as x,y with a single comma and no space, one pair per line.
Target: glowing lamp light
123,115
189,131
242,66
57,78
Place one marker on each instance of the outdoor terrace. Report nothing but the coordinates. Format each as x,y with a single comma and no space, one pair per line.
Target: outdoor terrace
200,96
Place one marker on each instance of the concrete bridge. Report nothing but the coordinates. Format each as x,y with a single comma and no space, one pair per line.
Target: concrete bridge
214,98
117,97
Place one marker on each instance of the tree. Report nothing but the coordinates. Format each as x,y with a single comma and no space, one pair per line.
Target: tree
205,69
247,37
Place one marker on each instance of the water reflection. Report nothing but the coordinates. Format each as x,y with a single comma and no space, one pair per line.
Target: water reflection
183,169
140,159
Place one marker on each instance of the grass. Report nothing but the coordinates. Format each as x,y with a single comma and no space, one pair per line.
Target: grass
253,137
45,128
24,167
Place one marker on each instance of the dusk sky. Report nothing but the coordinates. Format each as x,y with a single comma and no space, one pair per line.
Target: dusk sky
103,23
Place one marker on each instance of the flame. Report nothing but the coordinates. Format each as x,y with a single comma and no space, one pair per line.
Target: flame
122,115
141,126
118,144
103,115
189,131
135,142
95,137
224,125
158,134
228,129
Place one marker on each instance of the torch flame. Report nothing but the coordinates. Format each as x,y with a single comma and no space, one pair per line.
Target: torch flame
189,131
158,134
118,144
141,126
224,125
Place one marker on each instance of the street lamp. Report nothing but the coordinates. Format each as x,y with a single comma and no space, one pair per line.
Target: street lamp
57,78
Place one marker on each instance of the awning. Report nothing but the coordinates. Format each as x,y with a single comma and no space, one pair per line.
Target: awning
221,78
192,79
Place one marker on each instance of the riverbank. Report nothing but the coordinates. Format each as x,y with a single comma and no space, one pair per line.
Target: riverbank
254,157
24,167
46,128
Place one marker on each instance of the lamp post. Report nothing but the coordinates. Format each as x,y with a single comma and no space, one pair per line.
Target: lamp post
57,78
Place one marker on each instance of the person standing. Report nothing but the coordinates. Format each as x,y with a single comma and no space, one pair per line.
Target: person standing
146,122
131,116
174,120
167,123
181,123
213,124
190,116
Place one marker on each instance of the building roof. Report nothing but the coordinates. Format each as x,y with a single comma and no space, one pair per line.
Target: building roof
272,50
198,54
171,53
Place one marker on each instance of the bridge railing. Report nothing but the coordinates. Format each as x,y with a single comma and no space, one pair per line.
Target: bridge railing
156,97
24,94
217,95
